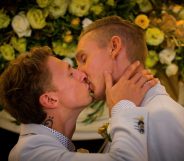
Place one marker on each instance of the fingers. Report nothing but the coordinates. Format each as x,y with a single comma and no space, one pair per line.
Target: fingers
108,80
149,84
130,70
144,79
135,78
141,77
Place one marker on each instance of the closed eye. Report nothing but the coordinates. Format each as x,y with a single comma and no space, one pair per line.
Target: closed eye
81,57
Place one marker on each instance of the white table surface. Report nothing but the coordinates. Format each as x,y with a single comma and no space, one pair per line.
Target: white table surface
83,131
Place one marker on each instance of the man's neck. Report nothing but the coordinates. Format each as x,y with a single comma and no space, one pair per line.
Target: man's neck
64,123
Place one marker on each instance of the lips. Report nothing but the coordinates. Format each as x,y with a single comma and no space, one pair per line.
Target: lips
91,87
87,84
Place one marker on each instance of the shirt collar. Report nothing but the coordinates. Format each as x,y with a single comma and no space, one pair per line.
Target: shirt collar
158,89
62,139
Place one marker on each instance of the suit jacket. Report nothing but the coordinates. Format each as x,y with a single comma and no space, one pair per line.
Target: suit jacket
164,126
37,143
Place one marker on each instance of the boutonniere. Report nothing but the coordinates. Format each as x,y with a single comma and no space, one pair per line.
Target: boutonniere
103,131
140,124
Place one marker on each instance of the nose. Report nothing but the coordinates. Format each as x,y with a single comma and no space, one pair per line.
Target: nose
81,76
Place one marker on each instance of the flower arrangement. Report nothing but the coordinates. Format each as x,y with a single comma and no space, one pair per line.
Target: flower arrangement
58,23
165,38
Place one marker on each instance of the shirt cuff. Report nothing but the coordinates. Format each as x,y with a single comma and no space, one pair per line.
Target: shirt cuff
123,104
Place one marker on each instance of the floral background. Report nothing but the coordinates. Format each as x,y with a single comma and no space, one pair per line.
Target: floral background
58,23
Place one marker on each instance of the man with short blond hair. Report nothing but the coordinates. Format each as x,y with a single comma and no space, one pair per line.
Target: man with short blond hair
111,44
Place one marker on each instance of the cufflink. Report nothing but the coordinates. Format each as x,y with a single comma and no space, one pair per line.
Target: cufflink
140,124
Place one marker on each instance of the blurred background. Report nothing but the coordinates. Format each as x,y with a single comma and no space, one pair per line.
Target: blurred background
58,23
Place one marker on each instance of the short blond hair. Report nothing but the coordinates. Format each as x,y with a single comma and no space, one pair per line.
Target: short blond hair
131,35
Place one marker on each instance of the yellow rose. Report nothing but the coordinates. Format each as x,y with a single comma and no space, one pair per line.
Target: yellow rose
95,1
75,22
43,3
58,8
111,2
19,44
142,21
79,8
68,38
154,36
179,32
180,23
145,6
4,20
176,8
7,52
97,9
151,59
36,18
63,49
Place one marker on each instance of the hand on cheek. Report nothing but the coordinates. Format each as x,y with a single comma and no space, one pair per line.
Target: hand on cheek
131,86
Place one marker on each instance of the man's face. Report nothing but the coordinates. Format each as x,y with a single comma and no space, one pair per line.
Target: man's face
71,87
94,60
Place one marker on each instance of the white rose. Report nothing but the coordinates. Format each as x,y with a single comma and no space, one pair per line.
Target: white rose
69,61
21,25
171,69
86,22
167,56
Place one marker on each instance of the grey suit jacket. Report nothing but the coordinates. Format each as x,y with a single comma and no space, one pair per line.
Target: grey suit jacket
37,143
165,138
165,126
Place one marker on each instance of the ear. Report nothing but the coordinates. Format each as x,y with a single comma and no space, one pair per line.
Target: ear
49,100
116,45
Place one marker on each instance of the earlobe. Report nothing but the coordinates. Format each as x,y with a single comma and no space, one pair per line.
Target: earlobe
48,100
115,46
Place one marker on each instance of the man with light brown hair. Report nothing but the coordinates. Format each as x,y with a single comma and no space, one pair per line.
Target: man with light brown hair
112,44
46,95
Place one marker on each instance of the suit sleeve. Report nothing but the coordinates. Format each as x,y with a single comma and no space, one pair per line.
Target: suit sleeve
127,142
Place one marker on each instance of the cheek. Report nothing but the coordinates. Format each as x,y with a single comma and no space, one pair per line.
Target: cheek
80,95
80,99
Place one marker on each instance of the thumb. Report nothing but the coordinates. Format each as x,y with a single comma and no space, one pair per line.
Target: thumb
108,80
